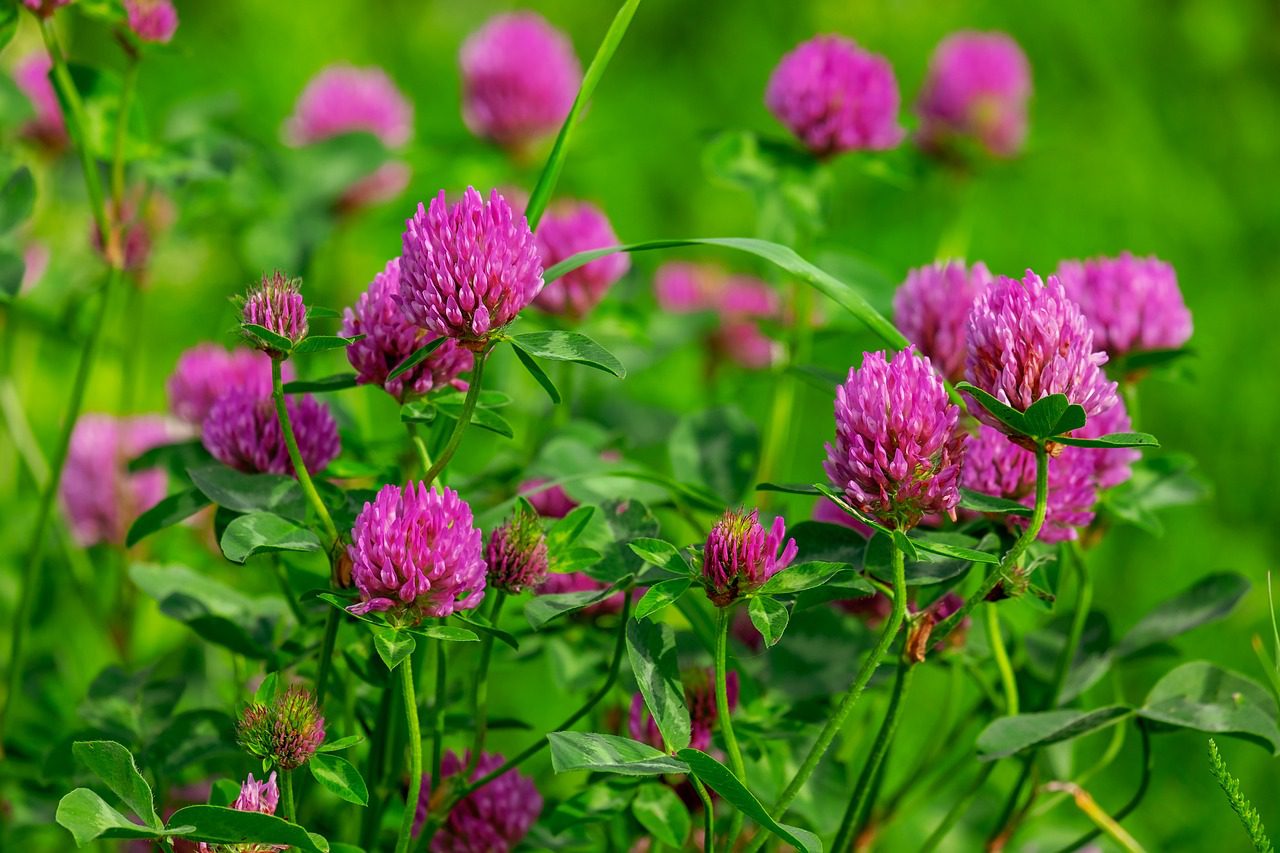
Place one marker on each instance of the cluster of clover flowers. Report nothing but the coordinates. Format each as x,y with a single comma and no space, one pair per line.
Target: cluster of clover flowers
1045,429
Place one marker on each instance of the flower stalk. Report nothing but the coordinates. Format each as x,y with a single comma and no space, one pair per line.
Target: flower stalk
723,618
415,756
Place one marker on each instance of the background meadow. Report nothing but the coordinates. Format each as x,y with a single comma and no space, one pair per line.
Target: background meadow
1153,129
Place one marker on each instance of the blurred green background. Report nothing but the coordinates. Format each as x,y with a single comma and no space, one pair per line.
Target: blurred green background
1153,129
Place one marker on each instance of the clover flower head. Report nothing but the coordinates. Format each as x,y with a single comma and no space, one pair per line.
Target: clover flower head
255,796
276,304
152,20
565,231
389,338
519,79
835,97
100,495
1111,466
898,445
242,430
346,99
517,553
468,268
549,501
932,306
1132,304
740,555
45,8
977,87
415,554
1028,340
287,730
492,819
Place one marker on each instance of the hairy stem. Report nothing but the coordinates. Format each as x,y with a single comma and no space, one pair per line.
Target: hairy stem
464,418
415,756
837,720
286,796
295,456
480,700
723,615
1001,655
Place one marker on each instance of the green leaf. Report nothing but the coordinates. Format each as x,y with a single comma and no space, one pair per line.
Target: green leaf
319,312
268,337
770,618
658,552
8,21
550,175
337,382
801,576
651,647
229,826
660,595
486,419
1007,415
609,754
979,502
87,817
340,777
393,645
1207,698
541,609
448,633
660,810
322,343
12,270
943,549
720,779
266,692
718,448
1209,599
540,375
168,512
567,530
249,492
341,743
780,256
18,195
789,488
1042,416
482,626
1115,439
569,346
263,533
1005,736
415,358
114,765
218,613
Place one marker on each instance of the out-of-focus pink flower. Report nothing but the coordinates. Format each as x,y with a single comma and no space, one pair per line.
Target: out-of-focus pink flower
100,496
549,501
519,79
700,697
390,338
931,309
345,99
742,342
826,511
386,182
47,128
492,819
416,554
242,430
45,8
835,96
207,371
1132,304
738,300
152,20
978,86
567,230
138,219
469,268
35,261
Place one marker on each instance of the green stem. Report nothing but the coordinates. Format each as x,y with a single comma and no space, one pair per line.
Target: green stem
480,703
1001,656
419,445
1079,616
708,815
464,419
860,801
286,796
127,88
44,512
373,769
295,456
283,579
415,756
327,644
961,806
1011,559
837,720
723,618
1143,783
437,718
